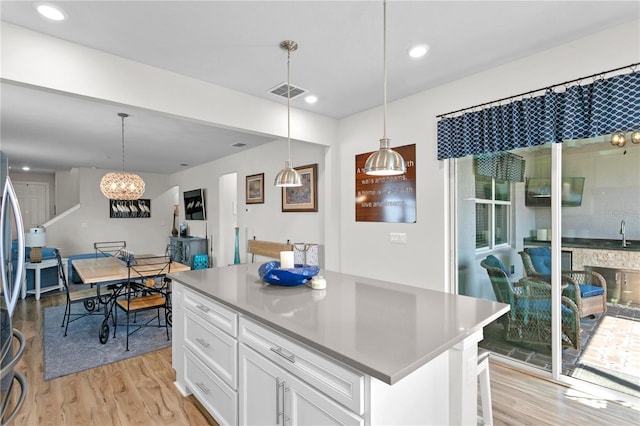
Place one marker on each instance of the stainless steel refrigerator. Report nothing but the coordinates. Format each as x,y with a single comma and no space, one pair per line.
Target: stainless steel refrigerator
12,270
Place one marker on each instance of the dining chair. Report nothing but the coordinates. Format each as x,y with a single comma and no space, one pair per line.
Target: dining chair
146,289
109,248
88,297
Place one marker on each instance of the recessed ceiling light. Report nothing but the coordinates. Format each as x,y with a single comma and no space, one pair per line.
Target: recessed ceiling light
311,99
418,51
26,168
50,11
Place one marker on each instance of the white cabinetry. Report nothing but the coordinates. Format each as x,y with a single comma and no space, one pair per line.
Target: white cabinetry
272,391
205,352
271,395
337,381
268,379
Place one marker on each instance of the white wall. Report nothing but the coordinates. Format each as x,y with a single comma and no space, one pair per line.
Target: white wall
264,221
67,189
611,194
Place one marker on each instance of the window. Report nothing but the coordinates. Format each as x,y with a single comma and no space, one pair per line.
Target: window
493,206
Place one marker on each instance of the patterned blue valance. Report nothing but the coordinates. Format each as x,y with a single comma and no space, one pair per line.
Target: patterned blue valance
582,111
501,165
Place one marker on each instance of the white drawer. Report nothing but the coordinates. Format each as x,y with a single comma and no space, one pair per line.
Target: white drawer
219,400
217,350
336,380
212,312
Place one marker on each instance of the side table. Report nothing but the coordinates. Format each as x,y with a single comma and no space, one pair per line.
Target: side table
37,268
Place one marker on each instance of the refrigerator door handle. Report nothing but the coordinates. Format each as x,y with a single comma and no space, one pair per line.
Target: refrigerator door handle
11,290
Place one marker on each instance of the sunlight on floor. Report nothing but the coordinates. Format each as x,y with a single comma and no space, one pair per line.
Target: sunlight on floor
586,399
615,345
595,402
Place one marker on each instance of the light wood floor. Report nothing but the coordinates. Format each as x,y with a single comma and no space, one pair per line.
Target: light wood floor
140,391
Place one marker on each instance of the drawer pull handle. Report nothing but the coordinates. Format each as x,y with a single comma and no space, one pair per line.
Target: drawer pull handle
203,342
203,388
290,357
202,308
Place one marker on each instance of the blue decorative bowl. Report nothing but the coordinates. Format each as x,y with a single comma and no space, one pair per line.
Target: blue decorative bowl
270,272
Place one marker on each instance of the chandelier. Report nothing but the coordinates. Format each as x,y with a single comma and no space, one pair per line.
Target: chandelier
122,185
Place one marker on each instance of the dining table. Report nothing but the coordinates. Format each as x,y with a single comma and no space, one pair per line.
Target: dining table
109,270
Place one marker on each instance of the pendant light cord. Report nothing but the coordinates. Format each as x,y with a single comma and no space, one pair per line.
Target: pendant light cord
289,101
122,117
384,60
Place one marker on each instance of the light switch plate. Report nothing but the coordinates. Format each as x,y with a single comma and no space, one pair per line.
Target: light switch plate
398,238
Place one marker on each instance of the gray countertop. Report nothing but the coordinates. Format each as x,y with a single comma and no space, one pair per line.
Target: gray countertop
382,329
588,243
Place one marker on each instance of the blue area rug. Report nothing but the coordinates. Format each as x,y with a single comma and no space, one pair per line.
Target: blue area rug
81,350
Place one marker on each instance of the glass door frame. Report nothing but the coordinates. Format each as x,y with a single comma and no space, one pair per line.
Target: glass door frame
451,245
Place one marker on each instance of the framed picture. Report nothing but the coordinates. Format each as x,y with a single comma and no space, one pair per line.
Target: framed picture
302,198
255,189
130,209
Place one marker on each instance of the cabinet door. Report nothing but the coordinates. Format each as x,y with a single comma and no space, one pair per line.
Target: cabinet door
306,406
630,287
177,335
260,389
176,247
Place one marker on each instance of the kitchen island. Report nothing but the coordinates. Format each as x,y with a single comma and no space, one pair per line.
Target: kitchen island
362,351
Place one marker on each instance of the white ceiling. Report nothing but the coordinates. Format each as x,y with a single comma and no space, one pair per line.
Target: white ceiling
235,44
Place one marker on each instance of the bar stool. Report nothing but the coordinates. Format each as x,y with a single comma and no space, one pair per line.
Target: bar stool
485,386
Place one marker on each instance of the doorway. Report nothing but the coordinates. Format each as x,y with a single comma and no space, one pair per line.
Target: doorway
33,198
228,217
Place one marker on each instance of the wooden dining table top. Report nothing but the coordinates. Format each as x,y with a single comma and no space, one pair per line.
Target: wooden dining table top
106,269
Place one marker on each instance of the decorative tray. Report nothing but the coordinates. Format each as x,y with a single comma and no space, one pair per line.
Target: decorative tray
271,273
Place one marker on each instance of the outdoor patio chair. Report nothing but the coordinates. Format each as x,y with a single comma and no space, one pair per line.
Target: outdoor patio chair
529,320
592,297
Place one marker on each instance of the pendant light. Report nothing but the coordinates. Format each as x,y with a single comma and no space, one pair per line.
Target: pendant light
121,185
385,161
288,176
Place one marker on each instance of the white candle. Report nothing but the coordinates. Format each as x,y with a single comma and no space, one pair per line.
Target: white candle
286,259
318,283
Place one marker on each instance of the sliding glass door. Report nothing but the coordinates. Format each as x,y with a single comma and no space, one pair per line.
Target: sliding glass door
579,319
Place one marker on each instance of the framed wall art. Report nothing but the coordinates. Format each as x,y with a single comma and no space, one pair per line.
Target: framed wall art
302,198
255,189
130,209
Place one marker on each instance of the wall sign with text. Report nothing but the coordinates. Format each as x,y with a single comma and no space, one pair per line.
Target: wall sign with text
387,198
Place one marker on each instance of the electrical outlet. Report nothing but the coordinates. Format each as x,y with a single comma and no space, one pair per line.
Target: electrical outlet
398,238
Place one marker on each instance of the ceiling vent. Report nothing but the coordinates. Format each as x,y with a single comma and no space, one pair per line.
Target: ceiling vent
281,91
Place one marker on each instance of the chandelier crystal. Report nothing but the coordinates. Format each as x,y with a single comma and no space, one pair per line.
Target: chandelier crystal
122,185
